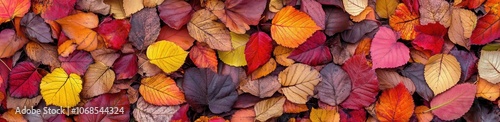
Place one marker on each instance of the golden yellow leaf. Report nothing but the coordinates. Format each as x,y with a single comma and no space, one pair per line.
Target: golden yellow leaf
386,8
60,89
269,108
291,27
323,115
151,3
354,7
298,81
489,66
265,69
404,22
45,53
204,28
166,55
235,57
132,6
442,72
487,90
116,8
99,79
281,53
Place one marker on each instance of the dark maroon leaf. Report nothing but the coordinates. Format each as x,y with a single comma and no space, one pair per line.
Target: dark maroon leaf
77,62
415,72
335,85
339,50
246,100
24,80
117,100
348,115
175,13
145,28
336,20
36,28
337,3
366,28
125,67
364,83
467,62
313,52
205,88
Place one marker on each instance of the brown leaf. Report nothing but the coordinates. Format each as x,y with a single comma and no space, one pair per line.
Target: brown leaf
290,107
146,68
98,80
264,87
269,108
151,113
145,28
23,102
435,10
462,24
10,43
204,28
44,53
389,78
96,6
106,56
238,14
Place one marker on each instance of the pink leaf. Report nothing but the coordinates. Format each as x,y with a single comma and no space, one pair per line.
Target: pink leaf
455,102
386,52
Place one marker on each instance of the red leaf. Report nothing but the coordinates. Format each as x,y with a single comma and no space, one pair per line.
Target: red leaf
77,62
181,114
57,9
487,29
364,83
114,32
455,102
258,51
203,56
125,67
386,52
313,51
111,101
314,10
24,80
175,13
412,5
473,4
430,37
357,115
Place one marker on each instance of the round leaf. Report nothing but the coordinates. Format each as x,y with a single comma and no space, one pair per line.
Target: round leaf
60,89
442,71
166,55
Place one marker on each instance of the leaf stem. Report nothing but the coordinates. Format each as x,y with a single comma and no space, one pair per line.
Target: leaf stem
5,65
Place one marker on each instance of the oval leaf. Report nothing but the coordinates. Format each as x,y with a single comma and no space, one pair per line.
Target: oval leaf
204,28
453,103
298,82
395,104
98,79
166,55
442,71
291,27
489,66
269,108
258,51
161,90
335,85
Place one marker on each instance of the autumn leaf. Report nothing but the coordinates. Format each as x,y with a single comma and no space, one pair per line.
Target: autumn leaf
77,62
298,81
118,100
145,28
78,28
442,71
36,29
312,52
453,103
355,7
386,8
149,112
22,102
364,83
98,79
430,38
352,115
322,115
268,108
468,61
258,51
335,85
433,11
395,104
54,9
122,9
487,90
263,87
237,15
97,6
389,79
166,55
404,21
175,13
422,115
281,53
315,10
486,29
292,34
24,80
462,24
243,115
106,56
204,28
264,70
161,90
125,67
415,72
10,43
61,89
203,56
337,20
236,56
488,66
114,32
358,31
44,53
205,88
13,8
386,52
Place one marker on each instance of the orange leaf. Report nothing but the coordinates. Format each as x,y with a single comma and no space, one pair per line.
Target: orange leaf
13,8
404,22
487,90
363,47
422,115
291,27
290,107
12,116
10,43
78,28
364,15
244,115
66,48
161,90
395,104
323,115
203,56
180,37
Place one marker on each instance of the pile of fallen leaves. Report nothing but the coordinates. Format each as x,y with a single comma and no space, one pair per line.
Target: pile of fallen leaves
251,60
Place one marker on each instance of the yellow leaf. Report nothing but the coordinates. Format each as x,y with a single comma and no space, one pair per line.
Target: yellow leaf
166,55
322,115
291,27
269,108
151,3
298,82
489,66
355,7
442,72
264,70
99,79
281,53
235,57
386,8
487,90
161,90
204,28
60,89
116,8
